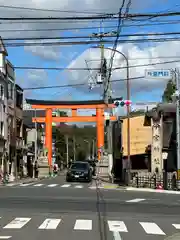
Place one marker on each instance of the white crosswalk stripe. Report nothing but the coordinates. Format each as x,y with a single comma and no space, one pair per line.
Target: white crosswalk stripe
78,186
38,185
25,184
17,223
117,226
52,185
114,226
177,226
5,237
135,200
66,185
50,224
152,228
83,224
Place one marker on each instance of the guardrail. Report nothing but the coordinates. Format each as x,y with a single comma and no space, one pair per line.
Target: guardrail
164,180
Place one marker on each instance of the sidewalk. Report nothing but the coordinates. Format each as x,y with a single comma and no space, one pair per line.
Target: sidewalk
29,180
111,186
26,180
151,190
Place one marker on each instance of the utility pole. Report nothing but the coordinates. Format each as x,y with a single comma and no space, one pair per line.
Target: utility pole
107,96
93,150
67,150
36,136
74,148
178,124
15,132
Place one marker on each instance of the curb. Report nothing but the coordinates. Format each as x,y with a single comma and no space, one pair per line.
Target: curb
152,190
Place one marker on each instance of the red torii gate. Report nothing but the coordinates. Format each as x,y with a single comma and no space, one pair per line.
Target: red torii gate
49,106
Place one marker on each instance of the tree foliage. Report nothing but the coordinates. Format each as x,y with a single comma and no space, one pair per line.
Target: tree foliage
81,135
169,91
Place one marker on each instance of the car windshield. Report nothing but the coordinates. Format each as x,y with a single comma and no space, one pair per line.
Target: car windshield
79,166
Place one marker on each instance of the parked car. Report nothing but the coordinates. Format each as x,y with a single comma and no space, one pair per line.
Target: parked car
79,171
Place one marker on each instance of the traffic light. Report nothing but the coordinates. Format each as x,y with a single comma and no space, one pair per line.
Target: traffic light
122,102
127,102
119,102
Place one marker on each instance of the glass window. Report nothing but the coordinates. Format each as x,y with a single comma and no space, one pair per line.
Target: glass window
10,90
79,166
1,92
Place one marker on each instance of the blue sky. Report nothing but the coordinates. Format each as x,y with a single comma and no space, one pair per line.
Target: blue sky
21,56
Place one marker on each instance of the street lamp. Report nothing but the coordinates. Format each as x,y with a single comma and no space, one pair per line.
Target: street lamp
128,105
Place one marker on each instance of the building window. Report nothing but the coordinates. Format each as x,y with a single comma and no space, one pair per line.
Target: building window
19,99
2,128
1,92
10,90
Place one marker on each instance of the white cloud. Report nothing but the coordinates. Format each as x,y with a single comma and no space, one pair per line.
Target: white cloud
35,78
140,55
45,52
52,53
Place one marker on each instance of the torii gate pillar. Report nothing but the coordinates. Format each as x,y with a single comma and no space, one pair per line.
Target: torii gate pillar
100,131
48,138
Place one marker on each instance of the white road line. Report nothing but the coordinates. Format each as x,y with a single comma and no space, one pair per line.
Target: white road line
11,184
25,184
135,200
78,186
92,187
177,226
152,228
50,223
38,185
17,223
83,225
117,226
66,185
5,237
52,185
117,236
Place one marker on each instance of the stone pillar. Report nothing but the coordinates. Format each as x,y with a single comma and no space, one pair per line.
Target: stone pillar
156,149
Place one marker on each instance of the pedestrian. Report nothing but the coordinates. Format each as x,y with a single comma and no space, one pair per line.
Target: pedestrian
55,169
36,169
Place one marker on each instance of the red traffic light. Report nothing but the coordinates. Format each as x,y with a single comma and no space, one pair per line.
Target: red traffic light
127,102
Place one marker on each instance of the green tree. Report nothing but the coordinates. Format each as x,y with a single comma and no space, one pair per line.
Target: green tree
81,155
169,91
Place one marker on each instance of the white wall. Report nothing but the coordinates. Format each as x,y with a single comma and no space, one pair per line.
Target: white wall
31,136
2,63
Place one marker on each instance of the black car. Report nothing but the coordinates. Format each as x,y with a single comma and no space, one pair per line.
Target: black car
79,171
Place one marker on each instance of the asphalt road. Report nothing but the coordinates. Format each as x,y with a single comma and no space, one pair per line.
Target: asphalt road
48,211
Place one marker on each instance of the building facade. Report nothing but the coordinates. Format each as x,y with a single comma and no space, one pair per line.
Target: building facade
3,108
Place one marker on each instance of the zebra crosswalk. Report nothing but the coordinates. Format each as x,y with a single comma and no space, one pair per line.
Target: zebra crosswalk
42,185
116,225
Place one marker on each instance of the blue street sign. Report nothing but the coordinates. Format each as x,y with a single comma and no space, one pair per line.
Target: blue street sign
163,74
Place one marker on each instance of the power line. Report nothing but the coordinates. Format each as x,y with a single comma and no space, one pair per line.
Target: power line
104,16
63,43
103,35
86,28
76,85
100,17
84,69
80,21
